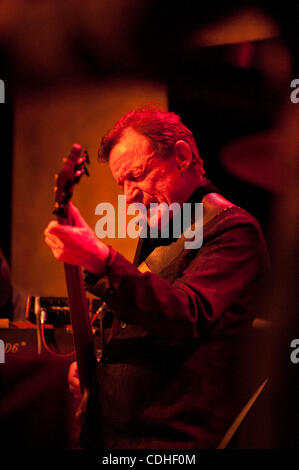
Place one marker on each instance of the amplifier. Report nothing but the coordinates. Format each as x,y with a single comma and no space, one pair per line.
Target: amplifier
56,336
56,308
23,337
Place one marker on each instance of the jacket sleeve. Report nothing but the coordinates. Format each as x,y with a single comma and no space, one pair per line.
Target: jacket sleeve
224,270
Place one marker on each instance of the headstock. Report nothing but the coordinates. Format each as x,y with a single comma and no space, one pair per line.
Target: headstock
70,174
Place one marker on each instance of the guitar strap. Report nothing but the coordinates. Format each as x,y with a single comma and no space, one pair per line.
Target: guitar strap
162,256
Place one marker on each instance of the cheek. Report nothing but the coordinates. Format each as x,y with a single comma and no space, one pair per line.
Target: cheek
169,179
162,181
155,185
150,183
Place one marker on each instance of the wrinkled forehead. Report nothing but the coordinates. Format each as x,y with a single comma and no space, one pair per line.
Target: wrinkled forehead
133,149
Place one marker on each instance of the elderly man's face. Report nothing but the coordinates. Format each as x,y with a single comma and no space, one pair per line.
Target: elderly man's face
143,176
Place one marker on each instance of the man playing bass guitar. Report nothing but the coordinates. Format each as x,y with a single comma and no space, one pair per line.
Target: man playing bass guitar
172,373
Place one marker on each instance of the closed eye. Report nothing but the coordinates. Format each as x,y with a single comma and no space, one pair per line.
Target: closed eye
138,175
136,178
133,176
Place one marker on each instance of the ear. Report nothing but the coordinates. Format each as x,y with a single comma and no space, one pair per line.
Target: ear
183,154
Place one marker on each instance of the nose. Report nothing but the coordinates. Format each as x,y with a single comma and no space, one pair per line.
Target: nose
132,192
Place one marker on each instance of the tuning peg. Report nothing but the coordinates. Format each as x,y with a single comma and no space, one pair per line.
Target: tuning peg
86,171
86,157
64,159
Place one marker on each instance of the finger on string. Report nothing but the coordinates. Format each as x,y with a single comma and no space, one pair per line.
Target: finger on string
50,226
54,239
53,245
